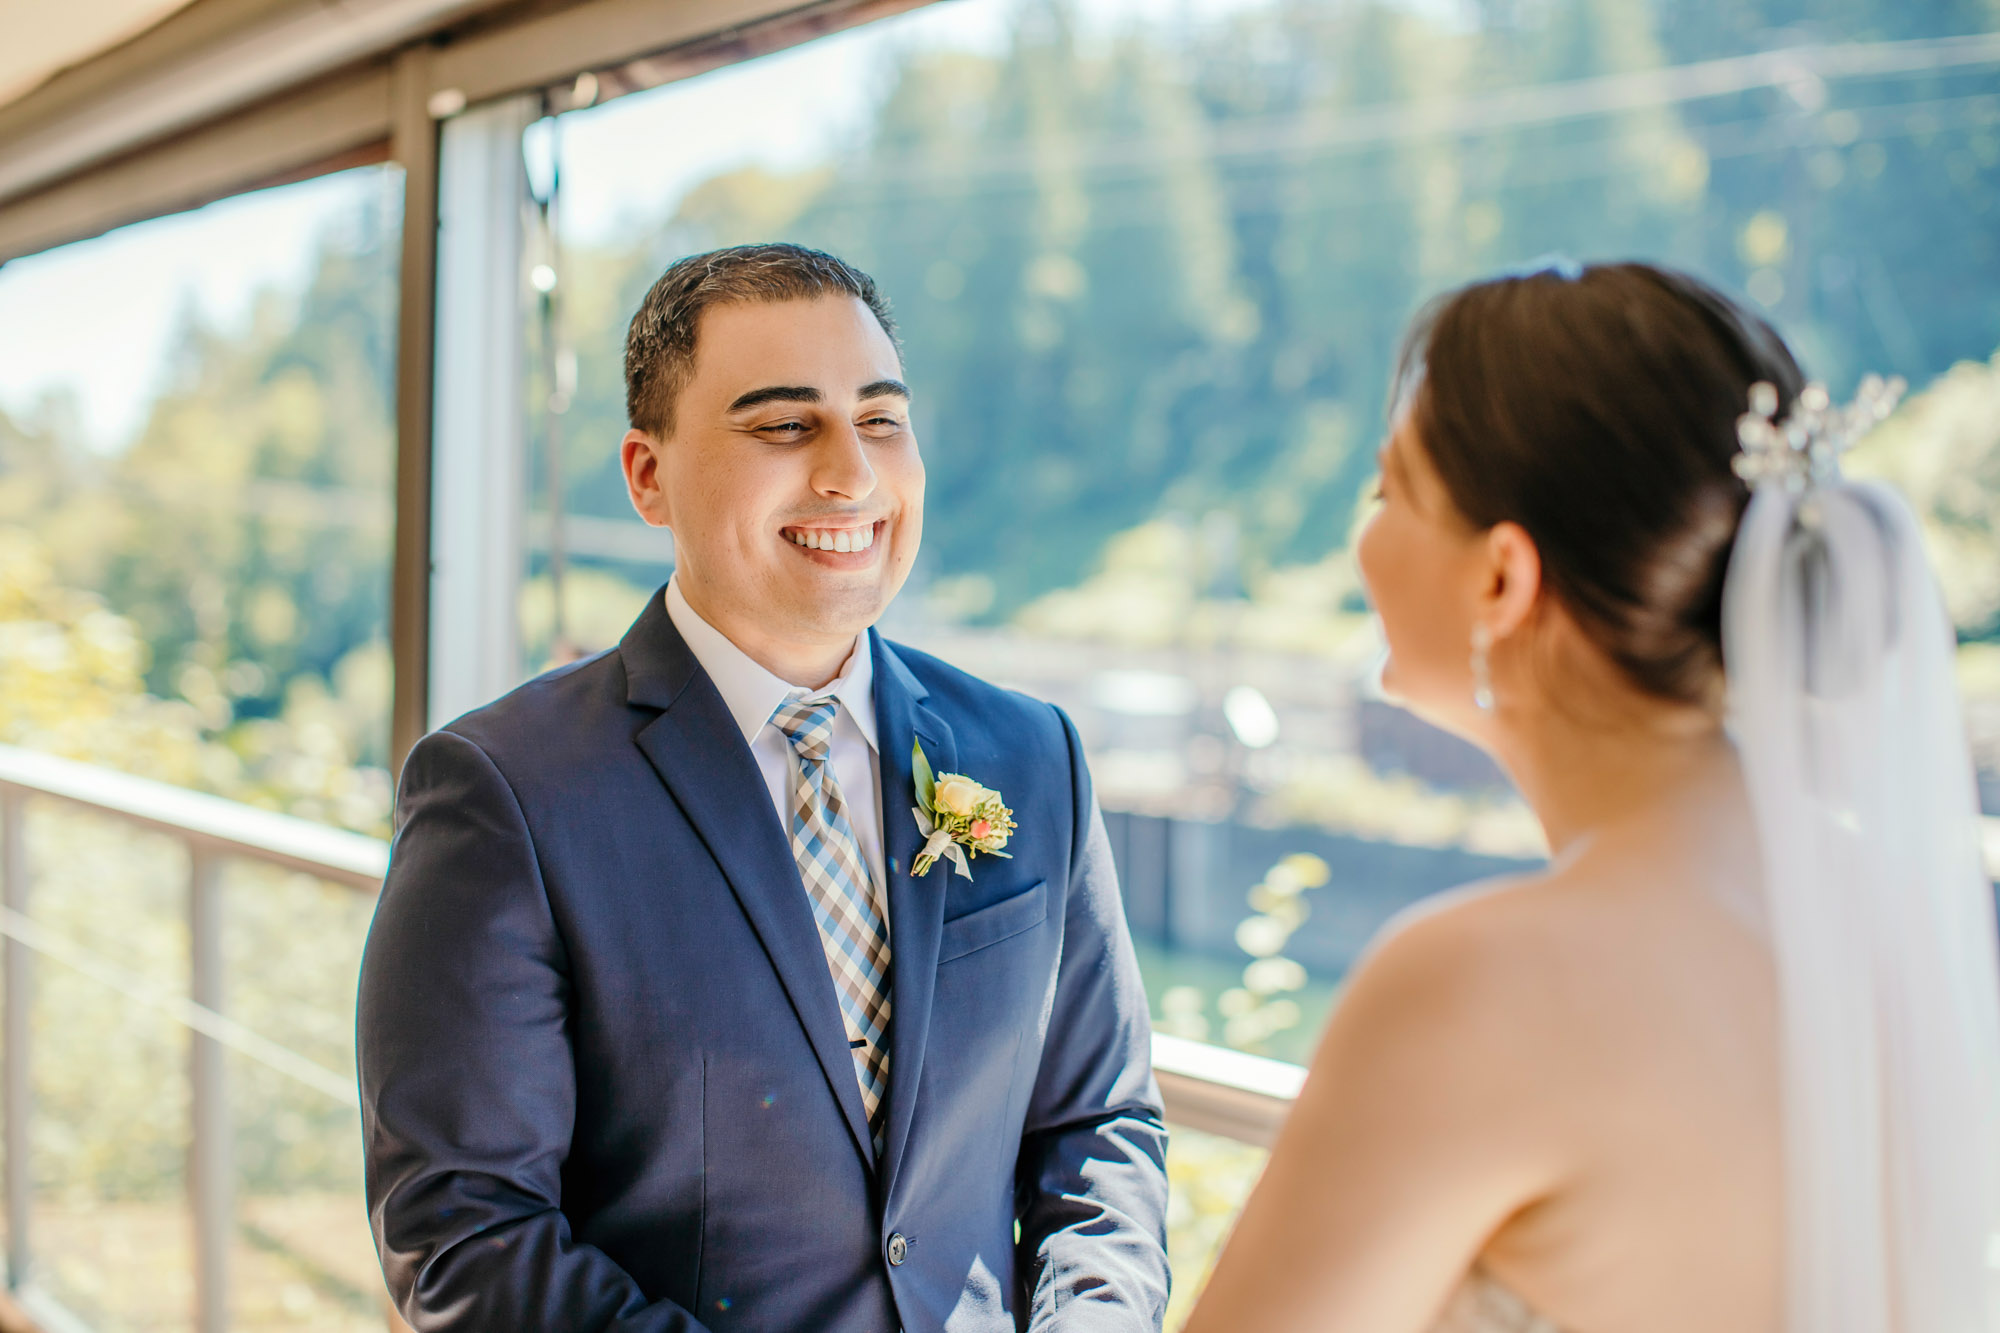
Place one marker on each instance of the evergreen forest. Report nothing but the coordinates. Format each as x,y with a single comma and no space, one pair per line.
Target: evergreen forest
1150,276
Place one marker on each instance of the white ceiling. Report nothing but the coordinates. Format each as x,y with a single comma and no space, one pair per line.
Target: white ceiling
43,36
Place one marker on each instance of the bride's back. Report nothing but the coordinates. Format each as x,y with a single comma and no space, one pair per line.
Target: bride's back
1564,1084
1639,979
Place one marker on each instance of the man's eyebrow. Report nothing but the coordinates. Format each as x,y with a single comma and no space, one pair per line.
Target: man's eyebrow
776,393
886,389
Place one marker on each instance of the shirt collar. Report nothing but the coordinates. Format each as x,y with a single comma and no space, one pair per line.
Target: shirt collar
752,694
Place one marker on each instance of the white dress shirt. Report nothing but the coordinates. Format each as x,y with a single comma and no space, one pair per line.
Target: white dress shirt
752,694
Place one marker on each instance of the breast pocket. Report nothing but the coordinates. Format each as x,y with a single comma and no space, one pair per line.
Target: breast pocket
993,923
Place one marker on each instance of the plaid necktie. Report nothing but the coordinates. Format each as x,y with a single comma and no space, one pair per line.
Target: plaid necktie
853,926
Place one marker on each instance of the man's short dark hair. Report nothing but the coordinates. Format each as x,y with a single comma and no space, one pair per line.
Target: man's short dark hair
660,346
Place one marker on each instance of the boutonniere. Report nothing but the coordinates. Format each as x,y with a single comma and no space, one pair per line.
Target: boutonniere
956,816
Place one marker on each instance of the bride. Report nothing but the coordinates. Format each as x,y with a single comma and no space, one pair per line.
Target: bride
1731,1063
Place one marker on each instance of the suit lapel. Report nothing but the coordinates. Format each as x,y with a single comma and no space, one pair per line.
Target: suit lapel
699,753
916,906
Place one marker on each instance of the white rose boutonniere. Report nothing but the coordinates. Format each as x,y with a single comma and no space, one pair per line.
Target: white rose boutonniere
957,816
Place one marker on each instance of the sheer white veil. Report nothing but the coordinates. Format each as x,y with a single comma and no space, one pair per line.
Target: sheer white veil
1843,704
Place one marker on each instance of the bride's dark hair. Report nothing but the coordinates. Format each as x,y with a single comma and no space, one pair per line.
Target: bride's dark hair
1597,408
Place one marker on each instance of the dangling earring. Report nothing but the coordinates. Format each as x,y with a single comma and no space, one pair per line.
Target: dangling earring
1482,670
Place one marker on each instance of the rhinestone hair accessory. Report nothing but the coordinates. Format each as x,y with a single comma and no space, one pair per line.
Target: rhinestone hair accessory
1804,449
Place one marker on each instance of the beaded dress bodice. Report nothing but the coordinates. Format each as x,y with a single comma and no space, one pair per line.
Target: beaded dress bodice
1481,1305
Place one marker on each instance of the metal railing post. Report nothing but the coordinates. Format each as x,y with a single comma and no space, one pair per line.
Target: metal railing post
211,1166
16,1089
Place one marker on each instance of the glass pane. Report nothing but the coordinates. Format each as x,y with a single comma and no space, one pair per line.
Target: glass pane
196,497
196,463
1150,265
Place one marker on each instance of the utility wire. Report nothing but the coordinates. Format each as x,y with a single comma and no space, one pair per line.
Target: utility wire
196,1017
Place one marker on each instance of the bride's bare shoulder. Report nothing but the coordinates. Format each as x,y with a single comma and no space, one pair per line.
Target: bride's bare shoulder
1551,970
1480,924
1449,1038
1482,969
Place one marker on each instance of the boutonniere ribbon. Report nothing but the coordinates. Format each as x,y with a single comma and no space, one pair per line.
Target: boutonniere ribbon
957,817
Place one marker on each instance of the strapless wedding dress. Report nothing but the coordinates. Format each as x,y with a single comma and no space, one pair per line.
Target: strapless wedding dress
1481,1305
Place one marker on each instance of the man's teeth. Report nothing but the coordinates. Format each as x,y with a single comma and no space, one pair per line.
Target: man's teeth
838,539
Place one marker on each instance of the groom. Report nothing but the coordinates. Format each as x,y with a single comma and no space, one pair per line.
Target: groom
658,1029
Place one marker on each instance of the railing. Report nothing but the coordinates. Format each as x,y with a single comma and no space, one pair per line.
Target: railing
1208,1088
214,832
1220,1091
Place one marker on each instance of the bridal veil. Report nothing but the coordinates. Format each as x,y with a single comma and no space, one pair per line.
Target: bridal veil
1843,704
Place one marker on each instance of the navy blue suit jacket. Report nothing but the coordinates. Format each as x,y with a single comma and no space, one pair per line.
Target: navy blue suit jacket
605,1082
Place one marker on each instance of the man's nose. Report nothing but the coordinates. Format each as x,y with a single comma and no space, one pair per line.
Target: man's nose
840,465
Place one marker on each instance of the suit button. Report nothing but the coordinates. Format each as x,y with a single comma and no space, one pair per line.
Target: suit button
899,1249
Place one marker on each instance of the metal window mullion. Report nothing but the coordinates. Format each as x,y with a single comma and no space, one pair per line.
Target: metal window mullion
414,144
478,434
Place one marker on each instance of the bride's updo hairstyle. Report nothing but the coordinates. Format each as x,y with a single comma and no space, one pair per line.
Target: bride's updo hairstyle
1596,406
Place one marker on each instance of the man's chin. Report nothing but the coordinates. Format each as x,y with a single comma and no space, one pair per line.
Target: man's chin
839,607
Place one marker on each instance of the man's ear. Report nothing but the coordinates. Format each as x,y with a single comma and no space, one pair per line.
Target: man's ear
1513,579
640,454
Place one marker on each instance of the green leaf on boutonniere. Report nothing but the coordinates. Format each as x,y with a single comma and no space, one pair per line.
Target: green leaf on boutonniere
926,780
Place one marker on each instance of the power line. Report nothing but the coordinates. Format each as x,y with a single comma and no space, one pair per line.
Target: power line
1802,71
1539,166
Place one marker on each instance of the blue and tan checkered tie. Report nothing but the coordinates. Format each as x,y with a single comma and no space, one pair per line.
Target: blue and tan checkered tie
853,925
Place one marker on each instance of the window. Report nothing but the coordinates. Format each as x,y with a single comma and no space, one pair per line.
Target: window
195,508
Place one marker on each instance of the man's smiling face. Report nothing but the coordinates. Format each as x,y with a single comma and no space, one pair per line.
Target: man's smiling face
790,477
